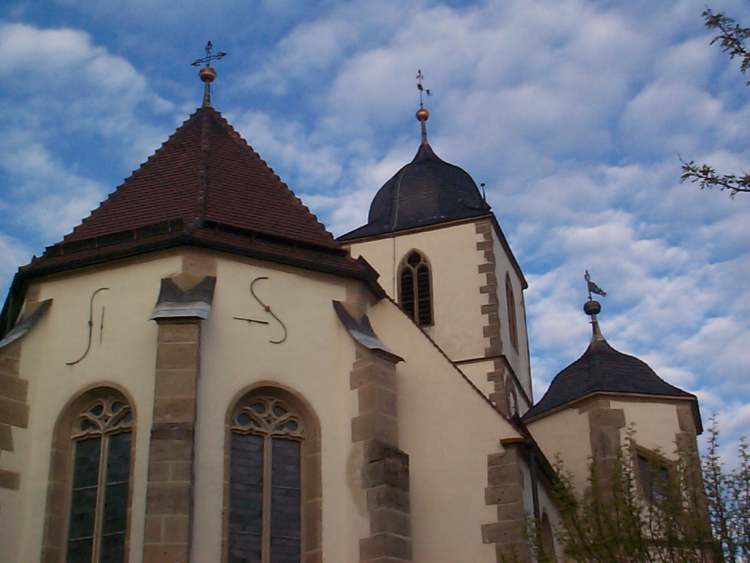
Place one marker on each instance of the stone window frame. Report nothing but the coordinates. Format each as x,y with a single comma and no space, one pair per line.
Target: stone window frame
547,537
510,299
511,396
310,460
654,459
403,265
59,489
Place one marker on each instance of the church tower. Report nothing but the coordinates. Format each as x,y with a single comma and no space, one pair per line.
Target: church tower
444,259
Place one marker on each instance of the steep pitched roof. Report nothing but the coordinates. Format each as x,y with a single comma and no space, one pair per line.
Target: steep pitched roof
206,187
205,172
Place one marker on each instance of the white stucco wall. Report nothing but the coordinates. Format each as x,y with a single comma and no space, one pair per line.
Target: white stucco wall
126,357
567,432
518,358
448,430
451,252
314,362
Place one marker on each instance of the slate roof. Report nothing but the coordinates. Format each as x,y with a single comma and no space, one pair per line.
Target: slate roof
424,192
601,368
205,186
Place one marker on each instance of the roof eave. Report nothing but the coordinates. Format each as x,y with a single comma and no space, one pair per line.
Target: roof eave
618,394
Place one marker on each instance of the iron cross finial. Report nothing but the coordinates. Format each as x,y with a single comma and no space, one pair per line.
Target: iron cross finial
207,74
210,56
421,88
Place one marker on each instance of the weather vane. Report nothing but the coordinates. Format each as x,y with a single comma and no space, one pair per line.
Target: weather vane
210,56
592,287
207,74
421,88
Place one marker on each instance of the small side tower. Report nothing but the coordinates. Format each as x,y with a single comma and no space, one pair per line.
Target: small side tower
443,257
590,405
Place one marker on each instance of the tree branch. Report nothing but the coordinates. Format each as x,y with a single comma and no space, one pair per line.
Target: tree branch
706,177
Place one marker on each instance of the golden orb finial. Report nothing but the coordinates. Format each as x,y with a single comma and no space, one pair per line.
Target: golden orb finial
207,74
423,114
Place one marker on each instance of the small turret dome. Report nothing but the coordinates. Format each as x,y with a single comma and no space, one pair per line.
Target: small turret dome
602,369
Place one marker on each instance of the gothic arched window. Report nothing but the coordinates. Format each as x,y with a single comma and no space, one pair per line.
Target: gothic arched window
272,445
89,495
415,288
511,303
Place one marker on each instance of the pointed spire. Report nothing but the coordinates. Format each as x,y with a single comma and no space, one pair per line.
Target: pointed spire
593,308
422,113
208,73
422,116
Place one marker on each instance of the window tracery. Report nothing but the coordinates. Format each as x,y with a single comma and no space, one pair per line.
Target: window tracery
415,288
99,488
265,503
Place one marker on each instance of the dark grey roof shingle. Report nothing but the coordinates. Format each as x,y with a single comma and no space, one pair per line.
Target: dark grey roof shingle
601,368
426,191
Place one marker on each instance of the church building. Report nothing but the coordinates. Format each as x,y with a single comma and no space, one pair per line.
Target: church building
200,372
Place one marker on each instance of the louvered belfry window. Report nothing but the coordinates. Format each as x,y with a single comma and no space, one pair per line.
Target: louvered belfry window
265,504
415,288
101,477
511,303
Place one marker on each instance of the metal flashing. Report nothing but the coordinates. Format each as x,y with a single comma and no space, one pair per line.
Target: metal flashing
26,323
174,302
362,332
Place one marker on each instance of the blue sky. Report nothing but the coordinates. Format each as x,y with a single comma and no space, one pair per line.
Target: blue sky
574,113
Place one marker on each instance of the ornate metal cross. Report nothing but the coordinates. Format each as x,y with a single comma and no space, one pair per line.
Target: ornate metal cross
210,56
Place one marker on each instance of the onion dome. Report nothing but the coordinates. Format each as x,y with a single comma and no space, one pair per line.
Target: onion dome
603,369
427,191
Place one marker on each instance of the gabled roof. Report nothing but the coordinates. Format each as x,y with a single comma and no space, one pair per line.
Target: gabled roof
602,369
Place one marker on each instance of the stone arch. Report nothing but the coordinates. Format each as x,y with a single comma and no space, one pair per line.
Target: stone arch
100,411
548,538
415,295
310,531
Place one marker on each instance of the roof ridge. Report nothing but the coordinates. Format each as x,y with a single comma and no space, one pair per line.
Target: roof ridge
242,142
133,174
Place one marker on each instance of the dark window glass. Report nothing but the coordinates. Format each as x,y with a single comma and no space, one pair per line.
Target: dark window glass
511,303
246,498
285,501
99,508
415,293
83,499
654,479
407,291
265,504
423,295
79,551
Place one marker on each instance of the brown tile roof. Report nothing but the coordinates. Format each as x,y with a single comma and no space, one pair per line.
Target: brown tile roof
204,187
205,171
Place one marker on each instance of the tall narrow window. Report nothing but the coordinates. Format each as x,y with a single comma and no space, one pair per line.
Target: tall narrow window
415,288
265,496
97,523
511,303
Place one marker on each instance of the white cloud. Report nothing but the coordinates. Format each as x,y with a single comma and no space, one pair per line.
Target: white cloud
76,101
